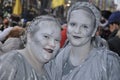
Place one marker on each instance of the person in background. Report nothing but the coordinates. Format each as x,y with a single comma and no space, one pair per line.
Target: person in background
13,40
83,58
4,33
63,35
5,29
43,42
113,23
5,25
114,43
103,24
114,27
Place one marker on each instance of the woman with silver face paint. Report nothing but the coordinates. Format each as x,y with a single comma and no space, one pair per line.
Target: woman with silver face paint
43,42
83,58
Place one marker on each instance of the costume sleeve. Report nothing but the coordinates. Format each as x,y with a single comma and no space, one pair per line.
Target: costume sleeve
53,70
113,67
5,33
11,44
7,69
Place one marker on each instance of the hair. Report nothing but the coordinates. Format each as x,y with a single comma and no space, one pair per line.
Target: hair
16,32
34,23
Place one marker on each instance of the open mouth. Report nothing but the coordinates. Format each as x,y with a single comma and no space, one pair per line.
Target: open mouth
48,50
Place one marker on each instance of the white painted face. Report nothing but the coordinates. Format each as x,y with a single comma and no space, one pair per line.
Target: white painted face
46,41
80,27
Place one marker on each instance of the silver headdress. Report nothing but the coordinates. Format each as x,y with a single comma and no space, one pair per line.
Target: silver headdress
38,19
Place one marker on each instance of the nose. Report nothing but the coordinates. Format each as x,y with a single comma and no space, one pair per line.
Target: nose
52,43
77,29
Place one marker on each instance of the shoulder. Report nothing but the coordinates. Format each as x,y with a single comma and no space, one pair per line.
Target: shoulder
107,60
111,63
107,56
10,60
10,56
105,52
9,63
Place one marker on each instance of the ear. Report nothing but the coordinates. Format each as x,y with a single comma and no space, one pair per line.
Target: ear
94,32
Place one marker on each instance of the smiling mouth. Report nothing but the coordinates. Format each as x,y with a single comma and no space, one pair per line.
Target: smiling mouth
76,37
49,50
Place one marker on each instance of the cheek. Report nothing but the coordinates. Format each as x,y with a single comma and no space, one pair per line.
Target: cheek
56,49
69,30
40,41
89,32
57,45
44,43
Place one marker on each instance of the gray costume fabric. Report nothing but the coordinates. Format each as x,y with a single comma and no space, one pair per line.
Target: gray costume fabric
12,44
101,64
13,66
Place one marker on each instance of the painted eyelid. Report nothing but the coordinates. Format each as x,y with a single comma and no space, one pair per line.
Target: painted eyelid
57,40
73,24
46,36
85,26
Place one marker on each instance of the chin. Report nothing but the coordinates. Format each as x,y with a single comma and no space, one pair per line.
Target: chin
77,45
45,60
48,57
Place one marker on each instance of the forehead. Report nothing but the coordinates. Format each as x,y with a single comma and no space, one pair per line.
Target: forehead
49,27
48,24
81,15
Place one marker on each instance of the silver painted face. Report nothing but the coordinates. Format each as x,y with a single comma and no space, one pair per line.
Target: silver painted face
80,27
46,41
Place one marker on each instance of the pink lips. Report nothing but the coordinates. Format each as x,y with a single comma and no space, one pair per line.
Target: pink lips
49,50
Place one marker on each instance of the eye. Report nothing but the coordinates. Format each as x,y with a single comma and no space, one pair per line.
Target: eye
85,26
45,36
72,24
57,40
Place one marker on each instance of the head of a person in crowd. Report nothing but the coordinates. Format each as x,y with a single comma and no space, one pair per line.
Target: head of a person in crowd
43,38
106,14
104,18
114,21
15,19
6,22
83,20
16,32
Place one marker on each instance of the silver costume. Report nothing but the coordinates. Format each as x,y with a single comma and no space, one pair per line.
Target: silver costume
13,66
101,64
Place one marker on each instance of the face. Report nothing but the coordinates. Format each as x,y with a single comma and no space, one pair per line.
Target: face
80,27
113,27
46,41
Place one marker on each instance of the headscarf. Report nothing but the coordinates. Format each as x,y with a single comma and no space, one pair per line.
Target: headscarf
38,19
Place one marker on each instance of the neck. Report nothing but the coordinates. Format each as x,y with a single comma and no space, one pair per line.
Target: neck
79,54
31,59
